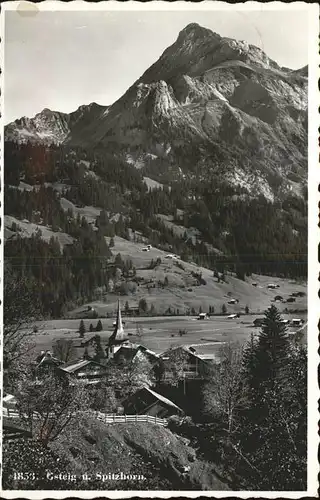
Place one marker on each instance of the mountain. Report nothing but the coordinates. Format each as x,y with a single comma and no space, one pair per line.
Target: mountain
216,129
218,104
208,105
51,127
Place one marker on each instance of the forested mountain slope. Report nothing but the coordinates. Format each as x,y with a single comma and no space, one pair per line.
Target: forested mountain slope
216,122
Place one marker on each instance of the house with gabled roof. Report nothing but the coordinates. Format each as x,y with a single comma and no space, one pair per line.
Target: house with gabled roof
46,363
185,359
145,401
84,370
129,352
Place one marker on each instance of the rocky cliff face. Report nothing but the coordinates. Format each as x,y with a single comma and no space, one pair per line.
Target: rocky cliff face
220,96
213,102
51,127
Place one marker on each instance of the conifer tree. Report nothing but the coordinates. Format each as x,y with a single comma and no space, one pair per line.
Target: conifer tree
82,329
99,326
273,347
126,307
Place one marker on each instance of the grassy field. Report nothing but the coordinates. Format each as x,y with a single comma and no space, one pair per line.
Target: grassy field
183,291
158,334
27,229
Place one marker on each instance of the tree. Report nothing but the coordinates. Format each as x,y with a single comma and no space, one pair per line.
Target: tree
273,426
224,395
21,309
152,310
247,309
143,306
126,378
111,243
224,309
200,310
272,348
64,349
91,329
103,398
126,308
82,329
99,327
139,330
118,262
48,408
99,352
176,366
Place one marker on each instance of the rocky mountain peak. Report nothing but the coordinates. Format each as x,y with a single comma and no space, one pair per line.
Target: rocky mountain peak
196,32
204,89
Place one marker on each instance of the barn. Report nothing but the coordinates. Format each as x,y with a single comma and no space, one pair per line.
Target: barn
148,402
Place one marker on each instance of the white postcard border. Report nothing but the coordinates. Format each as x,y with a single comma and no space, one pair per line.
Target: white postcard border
31,9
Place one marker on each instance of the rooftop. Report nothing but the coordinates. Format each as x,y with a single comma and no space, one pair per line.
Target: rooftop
78,365
162,398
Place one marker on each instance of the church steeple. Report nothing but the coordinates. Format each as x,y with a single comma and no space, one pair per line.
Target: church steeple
118,332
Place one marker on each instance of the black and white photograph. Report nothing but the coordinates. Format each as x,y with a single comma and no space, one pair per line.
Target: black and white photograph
159,229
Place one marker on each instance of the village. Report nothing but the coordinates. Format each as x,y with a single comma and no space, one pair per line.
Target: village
89,360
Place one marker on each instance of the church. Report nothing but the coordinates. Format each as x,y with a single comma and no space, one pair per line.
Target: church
118,336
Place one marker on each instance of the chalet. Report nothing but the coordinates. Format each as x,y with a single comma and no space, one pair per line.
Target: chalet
272,286
129,352
131,311
233,301
85,370
191,364
297,322
285,321
9,403
148,402
46,362
88,313
278,298
203,316
258,322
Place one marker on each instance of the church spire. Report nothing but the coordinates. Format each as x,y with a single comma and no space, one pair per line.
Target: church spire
119,332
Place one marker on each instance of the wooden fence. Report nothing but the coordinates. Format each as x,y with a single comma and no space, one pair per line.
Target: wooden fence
115,419
106,418
10,413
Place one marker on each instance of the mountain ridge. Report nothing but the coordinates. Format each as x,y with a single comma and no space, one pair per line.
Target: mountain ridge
208,104
50,126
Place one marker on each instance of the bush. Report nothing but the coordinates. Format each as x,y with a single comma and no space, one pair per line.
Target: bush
174,422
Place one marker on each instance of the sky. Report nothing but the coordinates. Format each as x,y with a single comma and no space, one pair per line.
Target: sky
61,60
